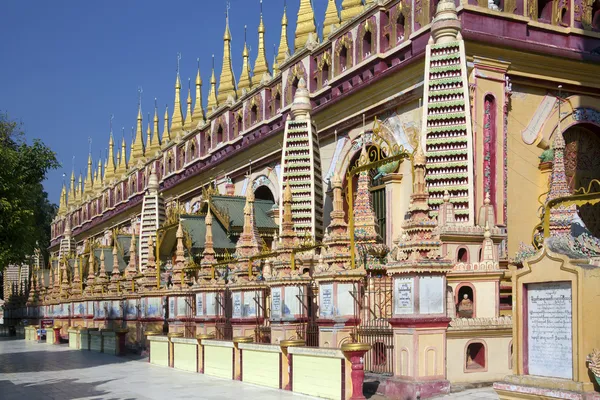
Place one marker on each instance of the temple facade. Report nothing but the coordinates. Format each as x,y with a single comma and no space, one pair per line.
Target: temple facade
373,184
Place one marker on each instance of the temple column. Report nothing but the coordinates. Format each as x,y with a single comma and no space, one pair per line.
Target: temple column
396,194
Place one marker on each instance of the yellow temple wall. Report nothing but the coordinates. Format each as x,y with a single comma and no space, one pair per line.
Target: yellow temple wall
431,354
497,359
525,183
159,350
185,354
403,345
260,364
487,299
218,358
318,372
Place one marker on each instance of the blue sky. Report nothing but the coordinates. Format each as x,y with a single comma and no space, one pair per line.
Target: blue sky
68,65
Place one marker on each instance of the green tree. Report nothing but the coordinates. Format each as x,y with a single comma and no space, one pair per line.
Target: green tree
25,212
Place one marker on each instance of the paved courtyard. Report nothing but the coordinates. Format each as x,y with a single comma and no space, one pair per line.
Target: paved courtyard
31,371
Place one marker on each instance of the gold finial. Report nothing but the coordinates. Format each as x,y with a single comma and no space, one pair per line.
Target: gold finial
72,187
305,25
99,175
227,80
148,137
177,118
245,79
89,179
350,9
188,114
131,161
109,169
284,49
212,93
138,148
62,208
261,66
198,115
154,145
332,19
166,137
122,165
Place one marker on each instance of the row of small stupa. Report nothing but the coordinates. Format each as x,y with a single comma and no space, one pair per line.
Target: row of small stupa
227,92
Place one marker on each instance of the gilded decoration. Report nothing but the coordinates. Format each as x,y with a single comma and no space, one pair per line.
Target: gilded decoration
585,14
296,72
345,42
275,103
257,102
534,12
396,31
323,70
422,13
238,124
370,26
219,131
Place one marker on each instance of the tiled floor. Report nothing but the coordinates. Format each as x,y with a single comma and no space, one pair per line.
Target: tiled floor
31,371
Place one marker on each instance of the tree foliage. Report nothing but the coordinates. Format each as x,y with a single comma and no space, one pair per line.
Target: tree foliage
25,211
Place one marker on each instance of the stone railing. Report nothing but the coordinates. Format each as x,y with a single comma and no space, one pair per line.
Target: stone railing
289,365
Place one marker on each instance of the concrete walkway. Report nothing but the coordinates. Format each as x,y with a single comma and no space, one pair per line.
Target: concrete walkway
31,371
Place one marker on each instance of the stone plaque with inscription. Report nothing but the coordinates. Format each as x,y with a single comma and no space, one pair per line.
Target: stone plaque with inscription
549,338
326,301
403,293
276,302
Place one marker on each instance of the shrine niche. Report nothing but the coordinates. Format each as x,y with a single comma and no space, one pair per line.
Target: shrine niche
582,165
253,111
275,101
555,12
343,53
399,27
322,73
296,72
366,39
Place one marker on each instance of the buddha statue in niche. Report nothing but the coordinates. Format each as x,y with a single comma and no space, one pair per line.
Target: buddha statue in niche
465,307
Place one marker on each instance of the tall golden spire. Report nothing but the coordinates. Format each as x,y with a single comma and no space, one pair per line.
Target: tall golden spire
284,49
188,114
332,19
110,167
212,93
227,80
350,9
177,118
166,137
261,65
88,185
198,116
137,147
245,82
98,181
122,158
62,207
72,187
148,152
154,143
79,189
131,161
305,24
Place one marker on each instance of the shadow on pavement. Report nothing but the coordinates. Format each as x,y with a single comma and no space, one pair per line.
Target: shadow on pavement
53,389
37,361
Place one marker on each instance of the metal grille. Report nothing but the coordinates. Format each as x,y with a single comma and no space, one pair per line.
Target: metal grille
223,327
374,328
308,330
378,196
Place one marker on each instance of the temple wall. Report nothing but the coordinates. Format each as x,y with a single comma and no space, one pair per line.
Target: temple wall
524,178
497,366
262,367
